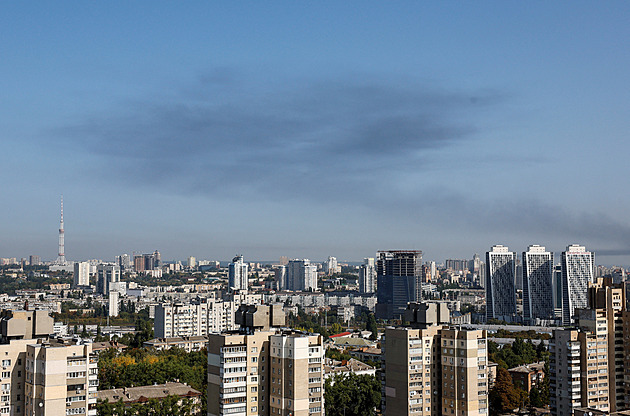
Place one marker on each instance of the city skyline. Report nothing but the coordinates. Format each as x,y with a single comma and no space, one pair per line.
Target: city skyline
314,130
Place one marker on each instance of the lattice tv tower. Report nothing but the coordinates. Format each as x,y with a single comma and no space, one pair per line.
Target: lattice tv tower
61,260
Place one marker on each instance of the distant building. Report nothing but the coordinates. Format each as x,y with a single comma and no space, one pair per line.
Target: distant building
500,284
280,274
527,376
301,275
399,281
34,260
113,301
81,274
181,319
538,290
237,274
330,266
192,262
106,275
367,276
577,273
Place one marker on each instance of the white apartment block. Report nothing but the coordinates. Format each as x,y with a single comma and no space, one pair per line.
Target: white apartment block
181,320
577,273
367,276
538,288
500,284
81,274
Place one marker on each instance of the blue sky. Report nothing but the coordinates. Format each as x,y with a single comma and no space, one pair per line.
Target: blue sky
310,129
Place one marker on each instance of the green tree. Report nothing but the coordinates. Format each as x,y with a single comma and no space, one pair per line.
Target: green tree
372,327
336,328
504,396
352,395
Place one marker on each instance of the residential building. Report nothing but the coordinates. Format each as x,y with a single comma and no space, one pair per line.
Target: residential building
262,369
301,275
188,344
143,394
42,376
107,274
367,276
538,290
527,376
113,301
280,274
81,274
61,378
330,266
500,284
181,319
577,273
399,281
433,369
237,274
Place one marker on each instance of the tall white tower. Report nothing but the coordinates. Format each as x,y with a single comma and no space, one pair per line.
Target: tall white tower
500,284
367,276
61,259
577,272
237,274
537,285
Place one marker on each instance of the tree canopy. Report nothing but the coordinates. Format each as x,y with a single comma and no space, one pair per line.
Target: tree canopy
352,395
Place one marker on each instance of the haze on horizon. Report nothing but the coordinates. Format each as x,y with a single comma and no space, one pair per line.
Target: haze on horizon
314,129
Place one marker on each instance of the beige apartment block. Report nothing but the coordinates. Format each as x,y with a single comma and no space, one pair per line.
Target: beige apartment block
60,379
40,376
579,370
262,369
432,368
464,372
412,371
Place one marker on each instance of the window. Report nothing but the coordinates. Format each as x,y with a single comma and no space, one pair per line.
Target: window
6,363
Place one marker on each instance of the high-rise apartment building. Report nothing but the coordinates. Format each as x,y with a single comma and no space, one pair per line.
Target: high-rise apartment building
181,319
330,265
500,284
579,370
81,274
61,379
264,370
577,273
192,262
367,276
399,281
146,262
588,363
41,376
608,299
301,275
433,369
114,303
237,274
538,307
106,275
464,372
34,260
280,273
